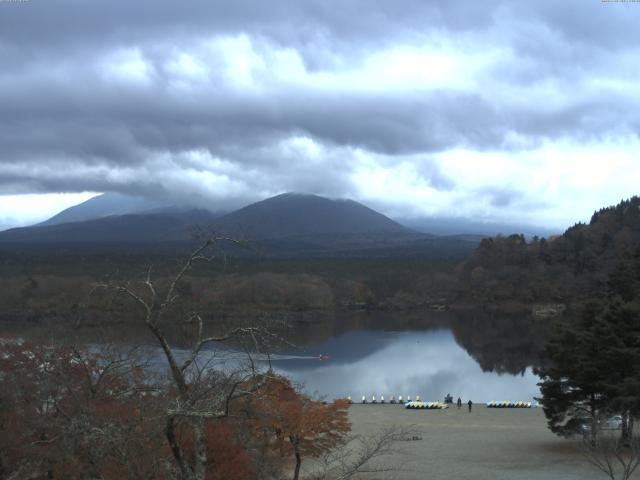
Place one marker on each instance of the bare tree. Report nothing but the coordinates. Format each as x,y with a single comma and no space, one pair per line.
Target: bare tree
202,393
364,455
617,458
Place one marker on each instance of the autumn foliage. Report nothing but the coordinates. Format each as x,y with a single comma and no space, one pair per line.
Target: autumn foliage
70,414
67,413
294,425
227,453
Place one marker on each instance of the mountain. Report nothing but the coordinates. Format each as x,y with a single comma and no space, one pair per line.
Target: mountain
143,228
282,217
288,225
105,205
295,214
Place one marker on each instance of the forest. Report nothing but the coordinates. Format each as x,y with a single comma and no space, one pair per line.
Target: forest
504,272
569,268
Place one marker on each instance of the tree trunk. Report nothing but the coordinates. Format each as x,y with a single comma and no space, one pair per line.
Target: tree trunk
170,433
626,419
593,433
200,438
296,450
296,472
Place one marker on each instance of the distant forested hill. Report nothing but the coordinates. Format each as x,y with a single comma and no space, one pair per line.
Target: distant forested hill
290,225
571,267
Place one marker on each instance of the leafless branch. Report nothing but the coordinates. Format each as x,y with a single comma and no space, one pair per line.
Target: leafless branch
360,455
202,392
615,458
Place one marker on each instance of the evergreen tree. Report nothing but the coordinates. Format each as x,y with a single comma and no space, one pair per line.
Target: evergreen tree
573,393
593,367
619,329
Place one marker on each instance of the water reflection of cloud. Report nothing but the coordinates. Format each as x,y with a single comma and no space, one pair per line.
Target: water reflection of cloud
430,364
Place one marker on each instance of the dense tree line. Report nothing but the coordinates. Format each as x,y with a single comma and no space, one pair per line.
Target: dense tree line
570,267
58,289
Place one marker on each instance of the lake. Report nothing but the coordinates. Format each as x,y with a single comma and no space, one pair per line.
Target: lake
426,363
472,355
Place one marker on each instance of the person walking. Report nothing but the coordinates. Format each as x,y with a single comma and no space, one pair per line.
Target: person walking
459,403
470,403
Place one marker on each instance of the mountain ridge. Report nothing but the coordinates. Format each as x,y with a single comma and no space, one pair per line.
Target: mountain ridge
287,225
104,205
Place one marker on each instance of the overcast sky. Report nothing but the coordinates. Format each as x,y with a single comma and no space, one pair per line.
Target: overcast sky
493,110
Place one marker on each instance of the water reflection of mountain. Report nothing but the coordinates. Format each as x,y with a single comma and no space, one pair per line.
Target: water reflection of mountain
428,362
501,344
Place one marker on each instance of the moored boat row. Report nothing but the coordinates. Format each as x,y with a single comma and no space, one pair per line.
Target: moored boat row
419,404
374,400
426,405
507,404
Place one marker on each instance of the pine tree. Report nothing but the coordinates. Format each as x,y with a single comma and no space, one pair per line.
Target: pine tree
593,367
619,329
572,389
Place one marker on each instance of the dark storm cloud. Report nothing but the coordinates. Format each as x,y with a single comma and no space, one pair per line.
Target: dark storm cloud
54,23
93,94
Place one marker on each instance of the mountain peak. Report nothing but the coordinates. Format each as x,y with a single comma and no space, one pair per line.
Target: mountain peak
295,214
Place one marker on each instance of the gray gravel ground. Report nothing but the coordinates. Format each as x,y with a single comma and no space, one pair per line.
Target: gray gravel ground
486,444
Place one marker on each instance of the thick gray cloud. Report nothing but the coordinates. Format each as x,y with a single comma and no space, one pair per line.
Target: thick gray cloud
222,102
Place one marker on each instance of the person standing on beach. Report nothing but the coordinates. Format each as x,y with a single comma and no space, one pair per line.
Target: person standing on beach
470,403
459,403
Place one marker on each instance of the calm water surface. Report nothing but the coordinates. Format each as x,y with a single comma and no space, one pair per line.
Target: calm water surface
475,356
426,363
